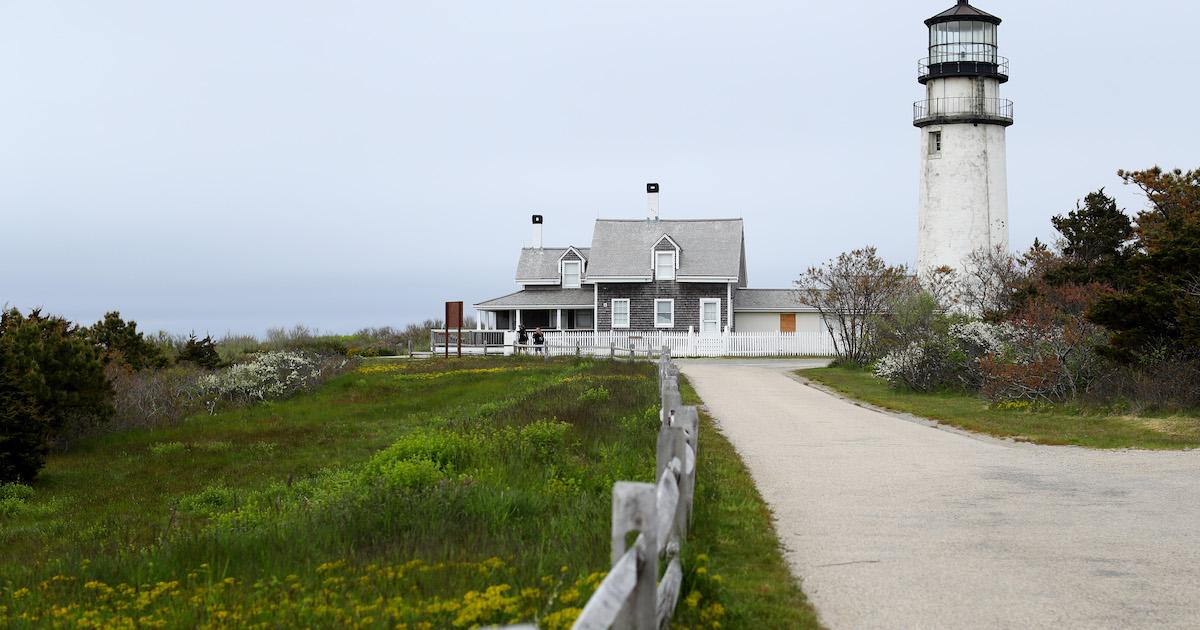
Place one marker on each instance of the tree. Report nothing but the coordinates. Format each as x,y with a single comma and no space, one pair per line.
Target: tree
1159,307
992,283
202,352
849,292
119,338
1096,243
50,375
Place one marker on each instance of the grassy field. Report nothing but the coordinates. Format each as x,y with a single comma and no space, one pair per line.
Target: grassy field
428,494
1043,425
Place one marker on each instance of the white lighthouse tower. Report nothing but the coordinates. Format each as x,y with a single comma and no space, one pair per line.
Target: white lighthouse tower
964,183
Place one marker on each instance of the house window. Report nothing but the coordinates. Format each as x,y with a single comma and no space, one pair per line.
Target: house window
571,274
710,316
664,313
664,265
620,313
583,319
935,142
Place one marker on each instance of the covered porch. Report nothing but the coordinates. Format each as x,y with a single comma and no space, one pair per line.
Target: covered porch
548,309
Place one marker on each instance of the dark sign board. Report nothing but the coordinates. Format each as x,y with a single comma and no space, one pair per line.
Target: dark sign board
454,315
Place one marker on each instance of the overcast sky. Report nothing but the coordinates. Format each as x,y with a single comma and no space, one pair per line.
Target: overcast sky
233,165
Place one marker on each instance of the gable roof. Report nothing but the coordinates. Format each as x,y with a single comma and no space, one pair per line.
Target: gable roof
541,264
769,300
709,248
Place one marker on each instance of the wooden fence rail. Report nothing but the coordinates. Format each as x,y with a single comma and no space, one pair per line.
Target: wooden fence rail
633,595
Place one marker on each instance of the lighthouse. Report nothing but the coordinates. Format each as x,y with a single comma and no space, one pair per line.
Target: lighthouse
964,184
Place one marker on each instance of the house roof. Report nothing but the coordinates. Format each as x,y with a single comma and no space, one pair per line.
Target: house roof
709,248
541,263
542,298
962,11
769,300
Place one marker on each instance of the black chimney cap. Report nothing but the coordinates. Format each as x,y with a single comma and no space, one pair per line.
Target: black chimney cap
651,188
537,219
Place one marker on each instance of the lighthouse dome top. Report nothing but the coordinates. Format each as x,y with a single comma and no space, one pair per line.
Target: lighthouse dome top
962,12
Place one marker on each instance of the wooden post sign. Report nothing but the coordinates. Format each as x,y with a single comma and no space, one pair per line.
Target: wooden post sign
454,319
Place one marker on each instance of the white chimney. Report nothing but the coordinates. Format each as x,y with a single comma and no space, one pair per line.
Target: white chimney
652,201
537,231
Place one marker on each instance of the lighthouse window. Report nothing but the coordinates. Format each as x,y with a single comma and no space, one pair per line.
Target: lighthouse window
935,142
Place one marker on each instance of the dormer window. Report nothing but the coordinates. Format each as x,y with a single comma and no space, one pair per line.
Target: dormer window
664,265
572,272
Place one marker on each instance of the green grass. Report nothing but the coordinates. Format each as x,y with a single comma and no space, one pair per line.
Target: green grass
1058,424
429,493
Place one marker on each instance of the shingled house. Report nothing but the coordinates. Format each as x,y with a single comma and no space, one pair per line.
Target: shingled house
645,275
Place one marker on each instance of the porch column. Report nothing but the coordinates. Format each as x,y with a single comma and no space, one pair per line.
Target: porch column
558,319
518,318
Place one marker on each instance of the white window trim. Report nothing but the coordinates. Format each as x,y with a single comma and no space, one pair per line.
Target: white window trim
579,263
613,312
716,301
672,323
675,263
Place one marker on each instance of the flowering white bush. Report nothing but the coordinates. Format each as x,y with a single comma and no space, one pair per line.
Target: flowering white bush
895,365
982,338
268,376
922,365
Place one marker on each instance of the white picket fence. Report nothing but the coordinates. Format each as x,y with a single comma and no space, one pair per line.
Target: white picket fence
691,344
633,595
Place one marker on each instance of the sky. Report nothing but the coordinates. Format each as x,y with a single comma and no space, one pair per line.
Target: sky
229,166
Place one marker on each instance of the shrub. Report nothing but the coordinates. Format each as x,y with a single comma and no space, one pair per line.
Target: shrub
153,398
121,341
13,497
268,376
201,352
543,438
51,376
923,365
408,474
446,449
210,501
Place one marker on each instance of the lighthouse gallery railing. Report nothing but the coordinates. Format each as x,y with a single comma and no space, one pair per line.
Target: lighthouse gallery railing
963,109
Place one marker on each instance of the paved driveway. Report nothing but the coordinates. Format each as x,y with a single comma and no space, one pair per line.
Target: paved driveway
894,524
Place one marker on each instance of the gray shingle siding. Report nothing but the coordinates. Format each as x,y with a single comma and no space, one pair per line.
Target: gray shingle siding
641,295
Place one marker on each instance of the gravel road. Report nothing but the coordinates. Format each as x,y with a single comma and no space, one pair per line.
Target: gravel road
891,523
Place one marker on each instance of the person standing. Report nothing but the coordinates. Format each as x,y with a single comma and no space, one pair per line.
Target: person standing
522,338
539,340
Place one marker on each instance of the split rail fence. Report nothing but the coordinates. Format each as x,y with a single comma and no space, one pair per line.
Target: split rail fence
633,595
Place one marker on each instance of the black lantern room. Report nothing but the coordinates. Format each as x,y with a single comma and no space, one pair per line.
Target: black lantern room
962,42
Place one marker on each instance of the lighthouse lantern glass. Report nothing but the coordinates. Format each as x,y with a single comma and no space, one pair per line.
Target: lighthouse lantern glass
966,40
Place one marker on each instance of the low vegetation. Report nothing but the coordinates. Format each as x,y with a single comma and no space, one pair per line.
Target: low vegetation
1039,422
423,494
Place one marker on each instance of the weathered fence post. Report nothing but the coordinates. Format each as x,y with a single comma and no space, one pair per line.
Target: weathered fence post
635,509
